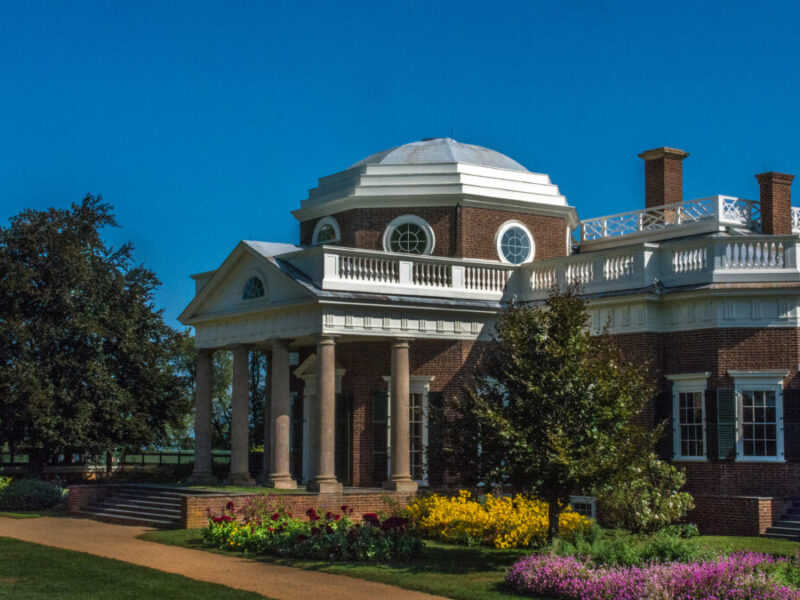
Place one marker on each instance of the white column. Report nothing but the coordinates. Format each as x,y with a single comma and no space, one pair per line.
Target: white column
400,479
325,480
280,418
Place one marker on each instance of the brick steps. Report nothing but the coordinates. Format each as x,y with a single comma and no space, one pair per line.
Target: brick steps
787,527
143,505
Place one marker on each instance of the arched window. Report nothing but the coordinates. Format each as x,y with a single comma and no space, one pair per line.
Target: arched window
515,243
325,231
254,288
409,235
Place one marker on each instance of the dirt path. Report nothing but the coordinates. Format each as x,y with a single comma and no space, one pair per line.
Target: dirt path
274,581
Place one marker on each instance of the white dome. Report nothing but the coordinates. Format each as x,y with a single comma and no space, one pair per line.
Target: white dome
441,150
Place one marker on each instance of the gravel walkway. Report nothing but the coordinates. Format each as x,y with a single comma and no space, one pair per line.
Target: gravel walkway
274,581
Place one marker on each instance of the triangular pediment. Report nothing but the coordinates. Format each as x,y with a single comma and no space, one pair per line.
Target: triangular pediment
223,292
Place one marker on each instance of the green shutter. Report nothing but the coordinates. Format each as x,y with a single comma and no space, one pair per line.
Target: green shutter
726,423
380,429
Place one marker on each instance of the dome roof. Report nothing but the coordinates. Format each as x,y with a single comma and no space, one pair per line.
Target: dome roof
441,150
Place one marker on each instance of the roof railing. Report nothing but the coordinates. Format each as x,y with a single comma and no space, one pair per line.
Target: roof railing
716,210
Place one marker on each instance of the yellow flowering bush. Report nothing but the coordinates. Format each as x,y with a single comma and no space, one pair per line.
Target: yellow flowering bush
502,522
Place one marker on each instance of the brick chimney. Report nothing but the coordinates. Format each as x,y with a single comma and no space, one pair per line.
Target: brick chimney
663,176
776,203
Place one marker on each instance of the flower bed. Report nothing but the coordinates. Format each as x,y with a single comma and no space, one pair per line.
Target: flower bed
505,522
261,529
738,576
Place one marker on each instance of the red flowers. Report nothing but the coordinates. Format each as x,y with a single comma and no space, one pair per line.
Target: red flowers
315,530
229,505
312,515
328,529
371,519
275,516
394,523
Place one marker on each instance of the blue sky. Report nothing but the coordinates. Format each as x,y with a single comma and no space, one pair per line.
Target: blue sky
204,123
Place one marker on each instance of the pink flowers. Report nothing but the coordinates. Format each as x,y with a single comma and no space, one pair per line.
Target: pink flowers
727,578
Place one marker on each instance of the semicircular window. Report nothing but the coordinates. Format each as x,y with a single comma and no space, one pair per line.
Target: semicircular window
326,233
515,245
408,238
254,288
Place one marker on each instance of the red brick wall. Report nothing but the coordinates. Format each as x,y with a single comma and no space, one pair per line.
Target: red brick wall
194,509
776,203
463,232
81,496
736,515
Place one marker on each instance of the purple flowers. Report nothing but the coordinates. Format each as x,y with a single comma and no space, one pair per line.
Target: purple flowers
733,577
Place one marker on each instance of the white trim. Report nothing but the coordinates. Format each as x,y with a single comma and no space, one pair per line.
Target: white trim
759,381
322,222
688,383
415,220
498,238
417,384
590,500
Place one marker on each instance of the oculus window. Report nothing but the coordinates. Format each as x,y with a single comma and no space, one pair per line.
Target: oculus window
408,235
515,243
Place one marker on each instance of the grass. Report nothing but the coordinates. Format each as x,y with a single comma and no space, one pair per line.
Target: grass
33,572
454,571
21,515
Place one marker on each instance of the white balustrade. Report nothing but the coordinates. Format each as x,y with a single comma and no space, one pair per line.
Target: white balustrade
753,255
486,278
688,260
795,219
543,278
617,267
580,272
369,268
432,274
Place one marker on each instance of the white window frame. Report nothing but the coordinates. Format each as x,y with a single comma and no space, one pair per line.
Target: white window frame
320,224
418,384
415,220
759,381
590,500
688,383
498,240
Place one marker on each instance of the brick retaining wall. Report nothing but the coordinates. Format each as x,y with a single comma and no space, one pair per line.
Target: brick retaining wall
80,496
736,515
194,509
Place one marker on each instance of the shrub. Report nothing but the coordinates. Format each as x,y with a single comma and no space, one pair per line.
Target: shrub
737,576
644,497
502,522
30,494
333,536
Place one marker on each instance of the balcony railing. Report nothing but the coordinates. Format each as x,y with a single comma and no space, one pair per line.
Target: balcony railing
714,211
350,269
752,258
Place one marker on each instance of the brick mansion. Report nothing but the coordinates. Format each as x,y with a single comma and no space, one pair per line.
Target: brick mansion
403,260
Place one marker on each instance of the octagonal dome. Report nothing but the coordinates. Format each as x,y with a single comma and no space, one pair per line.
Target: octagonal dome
441,150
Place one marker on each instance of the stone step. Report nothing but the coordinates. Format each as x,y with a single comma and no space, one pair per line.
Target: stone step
115,510
149,493
788,522
784,531
147,500
118,519
134,509
780,536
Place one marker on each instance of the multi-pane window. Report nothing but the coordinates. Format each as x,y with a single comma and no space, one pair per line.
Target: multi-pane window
326,234
515,245
759,423
416,430
408,238
254,288
690,423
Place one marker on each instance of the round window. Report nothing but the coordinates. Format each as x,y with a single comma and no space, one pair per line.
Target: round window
326,233
408,238
514,244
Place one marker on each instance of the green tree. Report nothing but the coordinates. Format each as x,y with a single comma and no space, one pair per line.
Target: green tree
552,407
86,361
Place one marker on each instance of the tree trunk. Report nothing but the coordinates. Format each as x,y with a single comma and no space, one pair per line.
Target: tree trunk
36,458
109,462
554,511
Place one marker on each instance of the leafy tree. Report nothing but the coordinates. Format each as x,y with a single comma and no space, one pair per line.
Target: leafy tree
551,410
86,361
259,391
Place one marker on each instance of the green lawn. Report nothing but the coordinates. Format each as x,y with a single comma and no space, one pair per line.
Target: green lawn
455,571
33,572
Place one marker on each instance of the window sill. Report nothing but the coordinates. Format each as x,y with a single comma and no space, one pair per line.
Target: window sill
689,459
759,459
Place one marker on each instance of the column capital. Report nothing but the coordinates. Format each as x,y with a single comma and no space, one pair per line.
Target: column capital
280,343
327,340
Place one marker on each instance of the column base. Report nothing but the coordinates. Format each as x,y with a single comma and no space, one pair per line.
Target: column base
408,486
280,482
203,479
240,479
325,486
